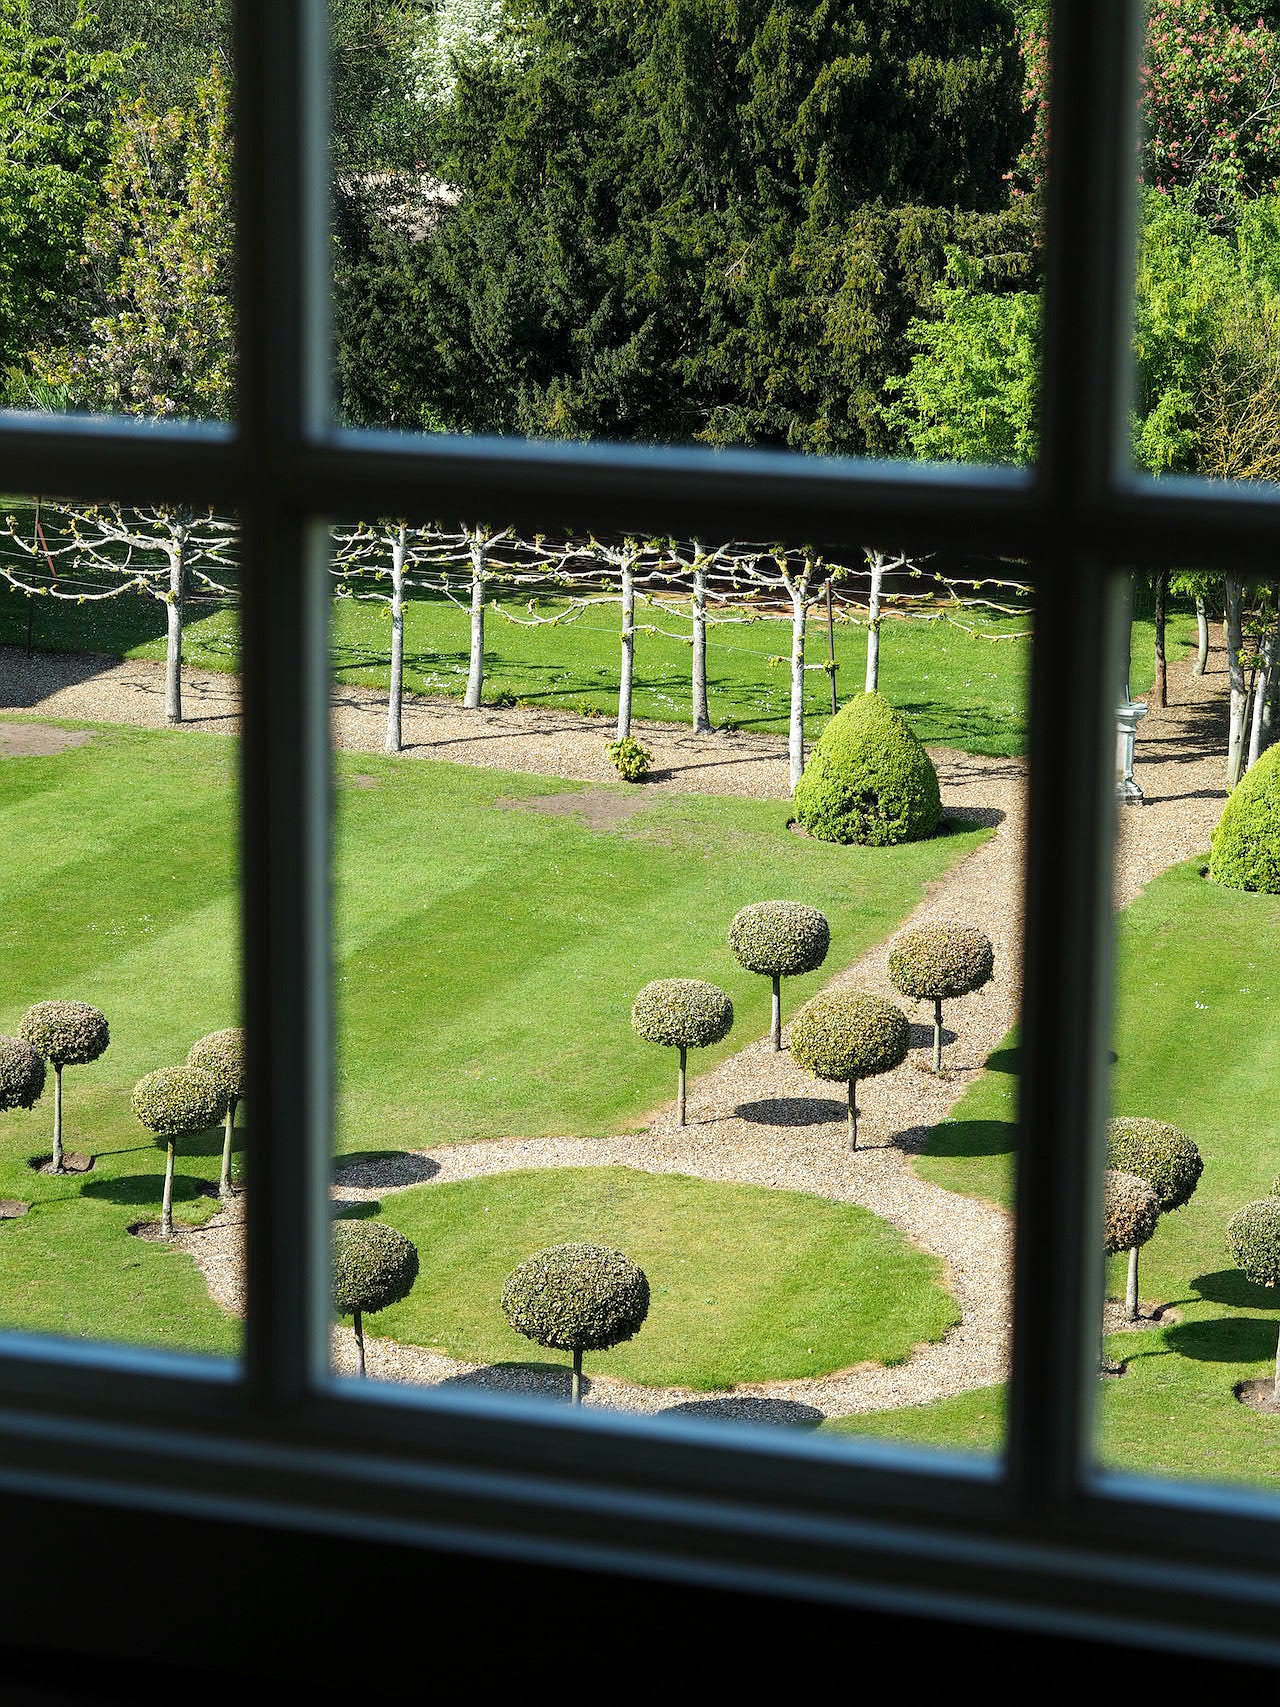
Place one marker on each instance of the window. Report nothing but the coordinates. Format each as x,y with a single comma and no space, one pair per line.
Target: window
1042,1535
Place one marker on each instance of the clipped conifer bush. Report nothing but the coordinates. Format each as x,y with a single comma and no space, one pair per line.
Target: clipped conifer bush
683,1014
935,963
869,780
374,1266
66,1034
173,1103
222,1054
21,1073
1245,850
577,1298
779,939
1253,1238
847,1035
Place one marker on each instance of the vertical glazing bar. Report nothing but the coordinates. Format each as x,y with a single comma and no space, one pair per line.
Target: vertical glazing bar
1065,1017
281,153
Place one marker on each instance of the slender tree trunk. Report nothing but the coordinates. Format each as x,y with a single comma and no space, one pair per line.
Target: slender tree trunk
872,683
626,672
475,668
937,1034
575,1380
357,1324
173,635
1162,668
395,696
795,740
1262,698
166,1205
1131,1287
831,648
57,1163
1271,708
1235,670
229,1129
680,1090
701,707
775,1028
1202,637
853,1114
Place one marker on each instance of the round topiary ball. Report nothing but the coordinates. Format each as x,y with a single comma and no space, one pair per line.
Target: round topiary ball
682,1013
577,1298
1130,1211
1245,850
936,962
67,1033
1253,1238
780,939
1158,1153
178,1100
21,1073
374,1266
844,1035
222,1054
869,780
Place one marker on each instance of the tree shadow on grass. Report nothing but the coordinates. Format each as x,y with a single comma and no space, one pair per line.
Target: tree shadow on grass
1005,1060
209,1143
1230,1286
1229,1339
972,1138
142,1190
354,1208
776,1413
791,1111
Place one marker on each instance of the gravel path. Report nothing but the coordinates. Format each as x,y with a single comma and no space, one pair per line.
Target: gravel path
756,1118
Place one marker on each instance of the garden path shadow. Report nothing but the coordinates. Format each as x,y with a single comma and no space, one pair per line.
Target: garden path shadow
384,1170
785,1413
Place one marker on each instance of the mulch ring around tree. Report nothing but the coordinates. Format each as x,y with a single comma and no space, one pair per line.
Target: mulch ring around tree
73,1162
1116,1321
39,740
599,808
1259,1394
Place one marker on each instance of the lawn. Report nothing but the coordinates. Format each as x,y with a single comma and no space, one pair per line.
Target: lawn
1197,1040
747,1284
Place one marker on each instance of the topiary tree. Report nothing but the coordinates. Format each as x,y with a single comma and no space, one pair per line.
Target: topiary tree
937,962
847,1035
1253,1238
68,1034
21,1074
1169,1162
779,939
869,780
222,1054
1130,1211
174,1103
374,1266
683,1014
577,1298
1245,851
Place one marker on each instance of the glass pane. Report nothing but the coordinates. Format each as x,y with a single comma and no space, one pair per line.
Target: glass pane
1190,1343
533,833
116,284
119,992
786,226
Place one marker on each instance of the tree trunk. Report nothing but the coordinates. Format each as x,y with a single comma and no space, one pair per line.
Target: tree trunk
1271,707
1235,670
166,1206
831,647
937,1034
395,695
775,1028
475,668
229,1127
684,1058
853,1114
1262,694
627,672
1202,637
575,1380
701,708
1131,1287
173,634
1162,668
357,1324
872,683
795,740
57,1119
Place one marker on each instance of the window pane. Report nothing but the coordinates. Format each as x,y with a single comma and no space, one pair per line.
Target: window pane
119,994
1190,1337
779,225
509,907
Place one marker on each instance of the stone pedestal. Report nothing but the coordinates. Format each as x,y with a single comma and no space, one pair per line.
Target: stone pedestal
1128,716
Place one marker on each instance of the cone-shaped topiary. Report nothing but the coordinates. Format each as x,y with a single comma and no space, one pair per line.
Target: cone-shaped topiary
1245,851
1253,1238
69,1034
683,1014
222,1054
374,1266
779,939
174,1103
935,962
869,780
1168,1161
21,1073
847,1035
577,1298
